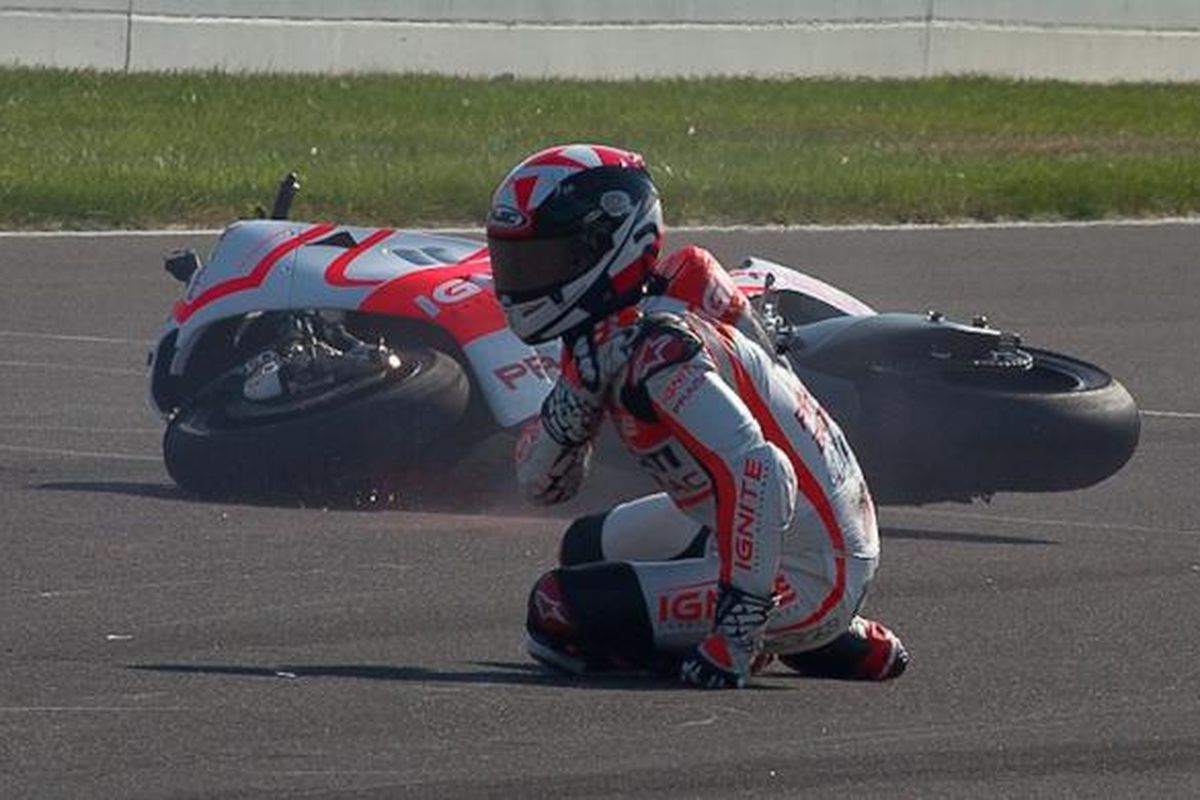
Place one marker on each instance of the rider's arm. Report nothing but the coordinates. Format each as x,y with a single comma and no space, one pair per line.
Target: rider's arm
753,484
554,449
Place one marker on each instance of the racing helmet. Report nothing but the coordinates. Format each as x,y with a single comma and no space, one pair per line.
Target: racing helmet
572,233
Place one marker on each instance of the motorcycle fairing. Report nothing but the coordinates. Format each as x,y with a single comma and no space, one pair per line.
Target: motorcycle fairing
268,265
752,279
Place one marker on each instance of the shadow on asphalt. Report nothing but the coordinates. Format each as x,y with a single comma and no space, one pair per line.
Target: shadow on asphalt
961,538
442,499
156,491
503,672
422,502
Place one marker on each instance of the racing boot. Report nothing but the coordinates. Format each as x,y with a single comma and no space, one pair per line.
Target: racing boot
727,656
867,651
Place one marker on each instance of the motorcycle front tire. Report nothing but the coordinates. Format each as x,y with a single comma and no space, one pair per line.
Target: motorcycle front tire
411,421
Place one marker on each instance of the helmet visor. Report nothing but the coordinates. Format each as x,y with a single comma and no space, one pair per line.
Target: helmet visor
525,268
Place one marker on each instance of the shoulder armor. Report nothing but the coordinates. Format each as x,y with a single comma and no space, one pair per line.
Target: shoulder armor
662,340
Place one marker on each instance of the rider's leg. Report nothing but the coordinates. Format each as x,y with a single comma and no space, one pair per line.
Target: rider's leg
646,614
639,610
817,630
596,617
647,529
653,613
749,547
649,615
866,651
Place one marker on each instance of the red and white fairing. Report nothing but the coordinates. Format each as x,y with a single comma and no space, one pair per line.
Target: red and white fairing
442,280
752,278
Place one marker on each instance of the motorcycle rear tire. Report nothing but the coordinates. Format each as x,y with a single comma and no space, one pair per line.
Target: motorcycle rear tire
413,420
1064,424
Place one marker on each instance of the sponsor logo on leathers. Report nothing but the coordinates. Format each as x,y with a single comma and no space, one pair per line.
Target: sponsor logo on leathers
692,603
677,473
750,495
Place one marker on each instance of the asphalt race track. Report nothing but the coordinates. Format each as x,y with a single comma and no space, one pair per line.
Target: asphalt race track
157,646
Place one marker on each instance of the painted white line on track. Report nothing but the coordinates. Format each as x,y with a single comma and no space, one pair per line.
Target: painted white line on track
62,337
1062,523
747,228
964,225
91,709
72,368
55,451
109,234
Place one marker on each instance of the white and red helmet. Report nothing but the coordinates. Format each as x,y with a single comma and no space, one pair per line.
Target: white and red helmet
572,233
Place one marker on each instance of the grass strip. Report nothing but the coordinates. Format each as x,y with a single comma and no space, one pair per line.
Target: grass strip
97,150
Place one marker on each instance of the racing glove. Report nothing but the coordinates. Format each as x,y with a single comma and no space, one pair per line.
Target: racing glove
548,471
554,450
726,657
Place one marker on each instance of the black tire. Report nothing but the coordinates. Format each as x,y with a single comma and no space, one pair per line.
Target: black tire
328,450
1062,424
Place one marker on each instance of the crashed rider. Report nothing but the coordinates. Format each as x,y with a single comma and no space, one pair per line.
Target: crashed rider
763,541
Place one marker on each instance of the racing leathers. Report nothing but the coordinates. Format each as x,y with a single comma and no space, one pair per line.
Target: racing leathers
742,452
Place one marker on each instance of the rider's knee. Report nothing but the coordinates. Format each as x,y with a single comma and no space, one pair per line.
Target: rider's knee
581,542
548,613
594,610
782,466
771,470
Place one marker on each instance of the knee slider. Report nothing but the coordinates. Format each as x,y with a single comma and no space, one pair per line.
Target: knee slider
548,613
595,609
581,541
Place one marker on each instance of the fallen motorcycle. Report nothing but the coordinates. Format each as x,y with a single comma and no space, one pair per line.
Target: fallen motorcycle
325,360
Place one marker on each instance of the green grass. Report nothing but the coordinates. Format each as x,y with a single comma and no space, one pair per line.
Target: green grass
86,149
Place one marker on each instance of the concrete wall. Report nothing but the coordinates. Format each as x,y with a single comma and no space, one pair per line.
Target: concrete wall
1086,40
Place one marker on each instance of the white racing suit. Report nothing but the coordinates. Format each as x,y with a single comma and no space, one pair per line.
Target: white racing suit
763,510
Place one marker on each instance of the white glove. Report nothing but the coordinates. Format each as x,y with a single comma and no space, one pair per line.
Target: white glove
548,471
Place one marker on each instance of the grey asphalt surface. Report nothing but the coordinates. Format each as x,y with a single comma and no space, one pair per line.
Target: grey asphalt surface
157,646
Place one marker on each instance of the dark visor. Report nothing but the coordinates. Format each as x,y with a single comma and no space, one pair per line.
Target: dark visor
532,266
